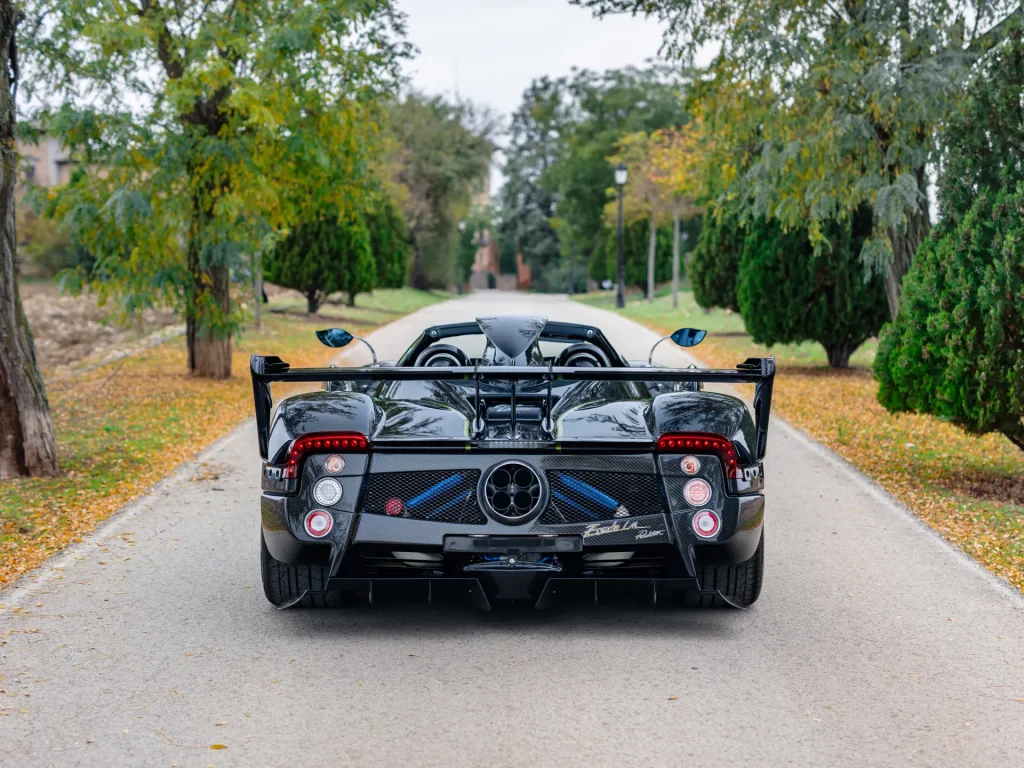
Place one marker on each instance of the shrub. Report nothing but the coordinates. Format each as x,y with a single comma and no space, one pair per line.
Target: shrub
322,256
635,247
715,260
956,347
788,293
389,242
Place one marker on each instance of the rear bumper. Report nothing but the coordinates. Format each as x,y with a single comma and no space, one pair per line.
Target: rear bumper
364,553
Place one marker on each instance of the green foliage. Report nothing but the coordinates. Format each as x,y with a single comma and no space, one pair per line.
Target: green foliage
835,105
323,256
465,255
789,293
956,347
442,154
507,264
560,139
389,242
206,128
715,262
635,249
48,246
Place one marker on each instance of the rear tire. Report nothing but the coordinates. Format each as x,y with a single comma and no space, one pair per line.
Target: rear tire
284,584
740,583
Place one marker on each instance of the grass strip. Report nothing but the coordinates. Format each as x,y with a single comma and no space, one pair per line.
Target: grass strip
122,427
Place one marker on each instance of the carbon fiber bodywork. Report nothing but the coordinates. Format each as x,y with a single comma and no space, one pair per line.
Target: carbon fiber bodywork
570,455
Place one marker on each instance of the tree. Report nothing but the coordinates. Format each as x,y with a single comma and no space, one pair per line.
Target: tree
528,198
643,196
322,256
856,91
27,443
788,291
557,157
674,156
715,262
956,347
636,246
206,128
442,154
389,243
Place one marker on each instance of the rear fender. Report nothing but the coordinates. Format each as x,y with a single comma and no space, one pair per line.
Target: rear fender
320,412
705,412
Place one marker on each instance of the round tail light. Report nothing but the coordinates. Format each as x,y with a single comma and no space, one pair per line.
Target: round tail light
319,523
706,524
690,465
697,492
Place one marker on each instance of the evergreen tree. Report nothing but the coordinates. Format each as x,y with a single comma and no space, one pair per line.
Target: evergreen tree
323,256
389,243
787,292
956,347
714,265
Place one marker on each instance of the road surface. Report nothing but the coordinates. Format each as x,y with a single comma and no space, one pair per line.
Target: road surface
873,642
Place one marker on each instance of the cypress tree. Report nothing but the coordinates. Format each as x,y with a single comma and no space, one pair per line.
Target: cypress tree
787,292
956,347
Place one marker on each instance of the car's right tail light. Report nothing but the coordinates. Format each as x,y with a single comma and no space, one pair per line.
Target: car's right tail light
706,524
702,442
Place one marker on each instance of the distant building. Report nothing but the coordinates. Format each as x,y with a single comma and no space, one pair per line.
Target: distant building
47,163
486,272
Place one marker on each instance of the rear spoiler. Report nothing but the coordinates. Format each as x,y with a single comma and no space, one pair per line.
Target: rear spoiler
759,371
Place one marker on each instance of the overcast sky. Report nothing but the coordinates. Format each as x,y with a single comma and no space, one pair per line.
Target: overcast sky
492,49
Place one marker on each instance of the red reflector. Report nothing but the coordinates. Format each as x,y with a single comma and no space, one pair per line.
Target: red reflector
352,441
394,507
318,523
702,442
706,524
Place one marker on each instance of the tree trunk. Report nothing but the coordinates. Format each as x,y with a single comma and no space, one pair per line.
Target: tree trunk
351,299
312,301
209,349
839,354
417,276
651,246
904,247
675,257
257,286
209,298
27,443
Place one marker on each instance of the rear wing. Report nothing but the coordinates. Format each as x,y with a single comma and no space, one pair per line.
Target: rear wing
759,371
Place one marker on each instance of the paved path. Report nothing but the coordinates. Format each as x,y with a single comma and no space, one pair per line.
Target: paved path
873,644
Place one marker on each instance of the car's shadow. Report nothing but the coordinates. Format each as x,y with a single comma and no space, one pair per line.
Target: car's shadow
401,619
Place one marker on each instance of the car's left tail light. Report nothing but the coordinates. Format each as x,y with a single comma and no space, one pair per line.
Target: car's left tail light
324,442
319,523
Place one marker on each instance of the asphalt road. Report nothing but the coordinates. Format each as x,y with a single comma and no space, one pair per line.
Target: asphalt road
873,643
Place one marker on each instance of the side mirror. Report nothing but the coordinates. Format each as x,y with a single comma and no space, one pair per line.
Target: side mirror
684,337
339,337
688,337
335,337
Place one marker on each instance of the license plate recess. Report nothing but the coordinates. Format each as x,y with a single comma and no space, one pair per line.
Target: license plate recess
512,544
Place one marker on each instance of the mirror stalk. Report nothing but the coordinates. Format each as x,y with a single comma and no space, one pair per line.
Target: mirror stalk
372,352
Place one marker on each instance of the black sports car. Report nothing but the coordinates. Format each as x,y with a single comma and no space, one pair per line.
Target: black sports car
513,458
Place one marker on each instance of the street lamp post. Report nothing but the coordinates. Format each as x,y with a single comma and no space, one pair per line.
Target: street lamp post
620,276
